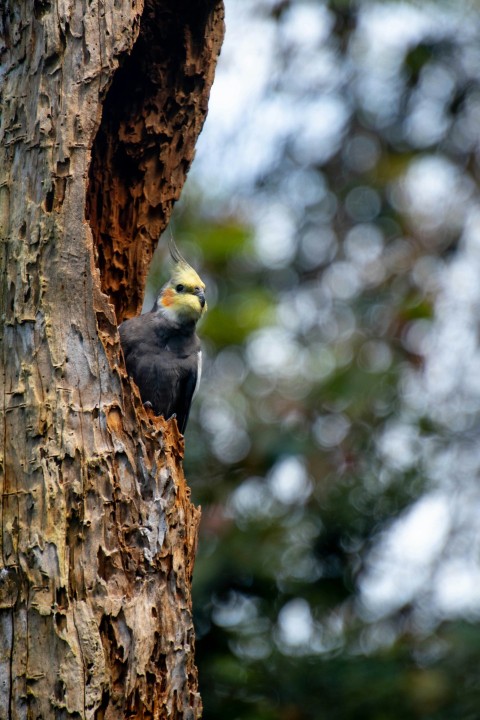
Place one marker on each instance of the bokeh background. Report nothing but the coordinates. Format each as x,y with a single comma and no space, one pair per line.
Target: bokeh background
333,209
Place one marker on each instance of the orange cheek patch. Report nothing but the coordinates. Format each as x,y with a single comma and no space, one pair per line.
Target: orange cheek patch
168,297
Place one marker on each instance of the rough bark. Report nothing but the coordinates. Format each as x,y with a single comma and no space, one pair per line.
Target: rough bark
97,532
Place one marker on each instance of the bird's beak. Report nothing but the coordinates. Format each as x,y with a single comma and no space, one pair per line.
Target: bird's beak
201,296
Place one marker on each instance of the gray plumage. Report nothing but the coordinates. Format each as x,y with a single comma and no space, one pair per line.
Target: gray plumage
164,359
161,348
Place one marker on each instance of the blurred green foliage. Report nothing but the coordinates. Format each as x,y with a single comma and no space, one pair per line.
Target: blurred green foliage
308,357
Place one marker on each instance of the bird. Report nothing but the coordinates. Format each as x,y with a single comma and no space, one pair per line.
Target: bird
161,348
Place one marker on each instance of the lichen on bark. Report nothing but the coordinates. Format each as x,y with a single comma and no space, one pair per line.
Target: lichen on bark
102,103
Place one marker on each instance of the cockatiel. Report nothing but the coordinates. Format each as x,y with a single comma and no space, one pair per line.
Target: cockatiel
161,348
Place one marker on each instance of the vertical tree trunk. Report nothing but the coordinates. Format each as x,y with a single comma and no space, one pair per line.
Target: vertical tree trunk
102,102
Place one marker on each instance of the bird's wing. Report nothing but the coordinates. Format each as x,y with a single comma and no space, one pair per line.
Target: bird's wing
199,373
165,379
187,387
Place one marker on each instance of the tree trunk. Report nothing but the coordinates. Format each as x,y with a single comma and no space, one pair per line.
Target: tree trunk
102,102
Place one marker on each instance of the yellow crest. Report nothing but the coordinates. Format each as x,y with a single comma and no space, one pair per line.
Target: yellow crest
182,272
182,298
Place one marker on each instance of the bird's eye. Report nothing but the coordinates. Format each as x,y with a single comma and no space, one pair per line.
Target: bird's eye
180,288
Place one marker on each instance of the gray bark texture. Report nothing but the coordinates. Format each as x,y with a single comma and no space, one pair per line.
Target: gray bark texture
101,105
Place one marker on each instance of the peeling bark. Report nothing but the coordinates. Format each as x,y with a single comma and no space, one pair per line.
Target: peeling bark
102,103
146,141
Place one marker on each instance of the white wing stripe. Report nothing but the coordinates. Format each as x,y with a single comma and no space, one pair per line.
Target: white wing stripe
199,372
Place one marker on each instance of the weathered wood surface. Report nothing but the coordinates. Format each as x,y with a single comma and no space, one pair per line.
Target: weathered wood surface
97,532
